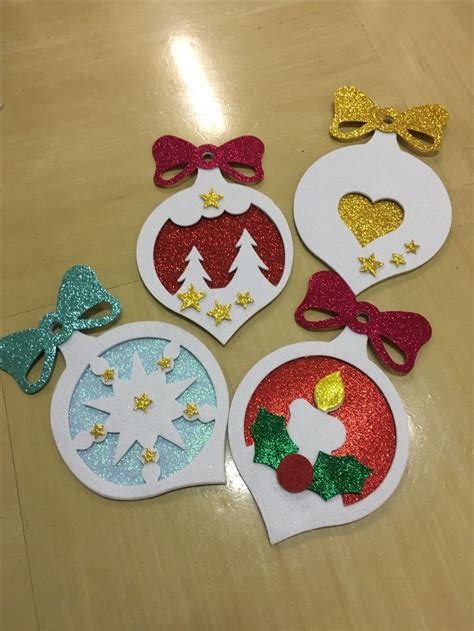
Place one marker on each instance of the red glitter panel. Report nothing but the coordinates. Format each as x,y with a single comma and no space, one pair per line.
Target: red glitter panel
216,240
367,417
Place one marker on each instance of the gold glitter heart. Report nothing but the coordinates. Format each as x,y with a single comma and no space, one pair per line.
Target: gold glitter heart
367,220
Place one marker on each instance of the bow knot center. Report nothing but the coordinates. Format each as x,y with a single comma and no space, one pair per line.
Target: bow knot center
54,328
207,157
363,317
385,118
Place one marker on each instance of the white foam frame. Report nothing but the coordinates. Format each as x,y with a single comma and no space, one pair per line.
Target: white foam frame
286,514
378,169
79,351
185,208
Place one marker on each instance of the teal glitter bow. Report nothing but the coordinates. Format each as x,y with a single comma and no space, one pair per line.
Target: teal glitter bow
80,292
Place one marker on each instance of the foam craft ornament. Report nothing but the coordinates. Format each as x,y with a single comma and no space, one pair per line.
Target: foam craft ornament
372,211
140,409
216,252
319,434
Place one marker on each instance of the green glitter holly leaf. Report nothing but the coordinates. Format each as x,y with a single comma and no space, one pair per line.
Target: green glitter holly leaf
271,438
334,475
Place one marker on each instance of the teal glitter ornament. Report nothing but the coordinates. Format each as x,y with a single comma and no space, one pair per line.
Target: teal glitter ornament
116,447
79,293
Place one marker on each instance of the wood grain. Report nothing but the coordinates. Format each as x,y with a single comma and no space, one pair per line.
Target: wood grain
87,87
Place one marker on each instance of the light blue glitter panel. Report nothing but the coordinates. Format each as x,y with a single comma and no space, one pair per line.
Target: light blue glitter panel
99,457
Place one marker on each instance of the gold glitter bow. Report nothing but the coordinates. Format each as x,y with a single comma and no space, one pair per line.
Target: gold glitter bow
421,127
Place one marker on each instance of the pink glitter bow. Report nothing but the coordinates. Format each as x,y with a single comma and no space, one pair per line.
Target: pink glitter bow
407,331
171,152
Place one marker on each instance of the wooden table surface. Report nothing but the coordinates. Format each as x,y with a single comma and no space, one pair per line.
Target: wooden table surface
87,88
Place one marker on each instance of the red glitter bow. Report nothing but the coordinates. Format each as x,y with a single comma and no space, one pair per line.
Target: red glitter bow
171,152
407,331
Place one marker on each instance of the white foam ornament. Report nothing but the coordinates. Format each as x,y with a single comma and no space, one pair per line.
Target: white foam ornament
140,433
139,410
217,252
372,211
319,434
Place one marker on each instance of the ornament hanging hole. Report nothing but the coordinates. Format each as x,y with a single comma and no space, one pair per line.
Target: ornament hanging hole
363,317
388,120
56,328
208,156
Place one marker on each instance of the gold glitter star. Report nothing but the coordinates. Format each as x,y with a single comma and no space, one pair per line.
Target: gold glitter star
211,199
98,430
191,410
244,299
369,264
411,246
164,363
398,259
191,298
108,375
149,455
142,402
220,312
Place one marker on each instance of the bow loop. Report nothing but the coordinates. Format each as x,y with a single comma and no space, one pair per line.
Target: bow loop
407,331
171,152
80,292
353,107
18,363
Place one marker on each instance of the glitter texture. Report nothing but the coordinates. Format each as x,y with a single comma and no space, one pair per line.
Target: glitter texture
271,439
365,413
368,221
128,471
411,247
171,152
191,298
369,264
244,299
329,393
353,106
334,475
211,199
80,292
216,239
220,312
329,293
398,259
330,476
295,473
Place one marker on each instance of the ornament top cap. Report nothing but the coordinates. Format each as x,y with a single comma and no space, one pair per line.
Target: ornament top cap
79,293
420,127
171,152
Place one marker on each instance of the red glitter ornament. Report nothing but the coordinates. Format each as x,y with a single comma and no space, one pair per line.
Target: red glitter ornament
216,241
295,473
365,413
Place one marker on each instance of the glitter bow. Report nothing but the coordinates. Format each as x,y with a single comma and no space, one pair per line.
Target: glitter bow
329,293
353,106
171,152
80,292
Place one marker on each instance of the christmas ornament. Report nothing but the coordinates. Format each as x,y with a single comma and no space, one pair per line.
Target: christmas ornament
319,435
140,410
329,293
216,253
359,208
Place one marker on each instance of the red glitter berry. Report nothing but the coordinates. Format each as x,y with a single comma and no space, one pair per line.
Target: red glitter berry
295,473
